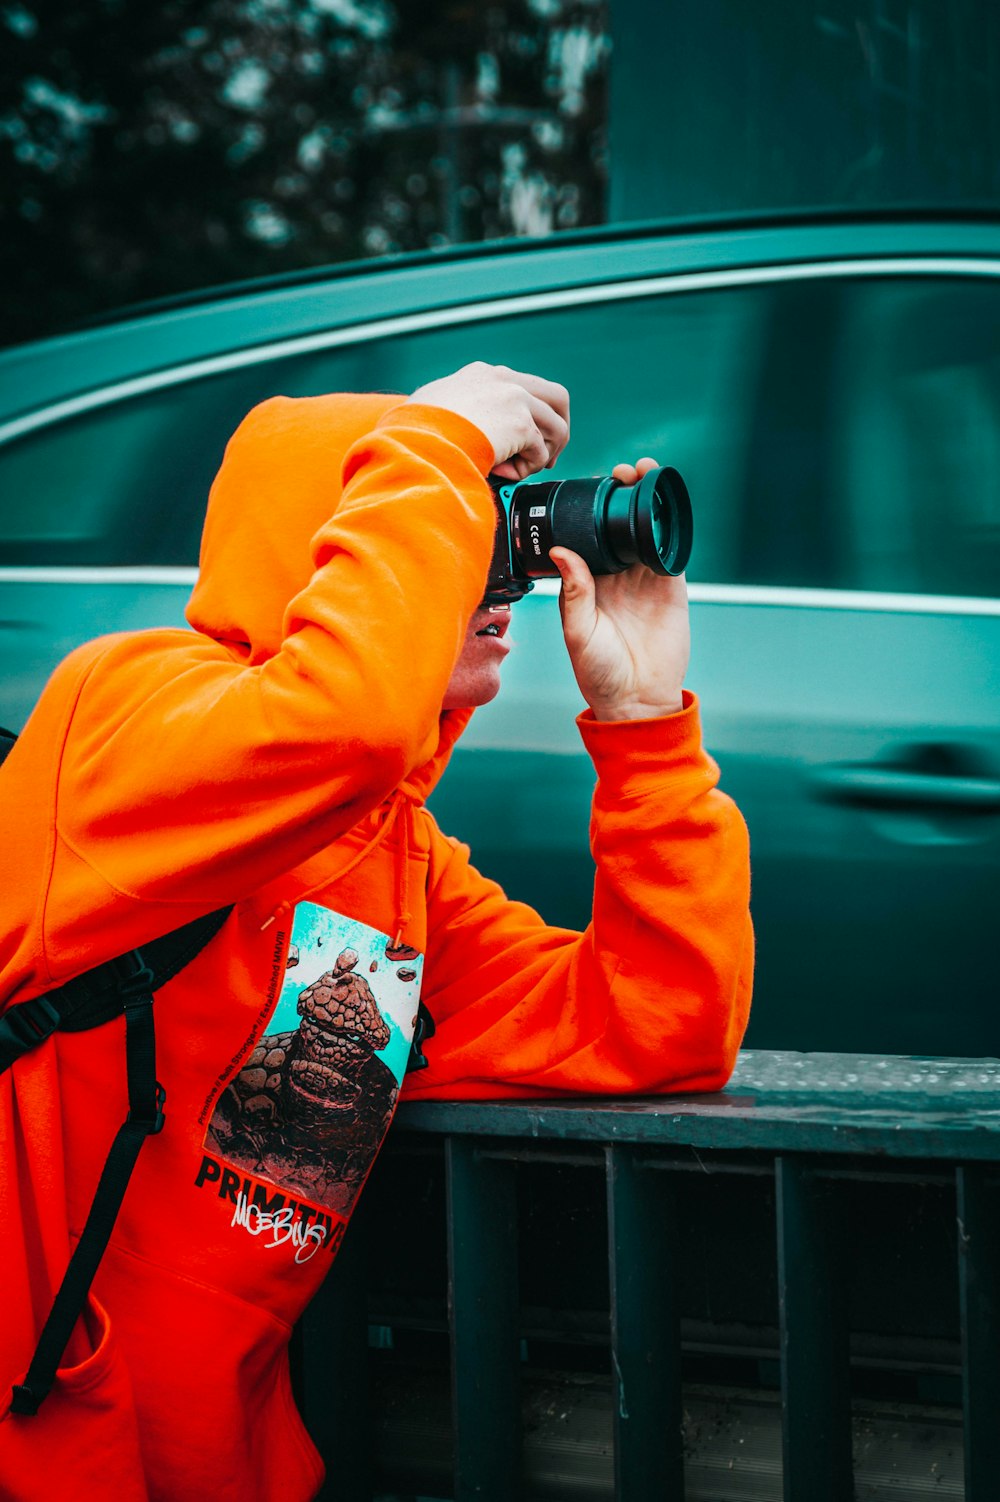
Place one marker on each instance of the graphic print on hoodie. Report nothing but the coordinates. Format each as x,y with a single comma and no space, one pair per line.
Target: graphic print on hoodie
309,1108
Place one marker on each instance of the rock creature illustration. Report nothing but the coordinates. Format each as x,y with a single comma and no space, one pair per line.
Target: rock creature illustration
310,1107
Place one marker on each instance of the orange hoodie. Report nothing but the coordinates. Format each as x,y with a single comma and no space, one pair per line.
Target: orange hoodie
277,757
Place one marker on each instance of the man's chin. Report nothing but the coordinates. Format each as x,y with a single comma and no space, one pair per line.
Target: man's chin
471,695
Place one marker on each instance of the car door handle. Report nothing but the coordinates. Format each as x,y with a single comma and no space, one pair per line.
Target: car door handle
876,786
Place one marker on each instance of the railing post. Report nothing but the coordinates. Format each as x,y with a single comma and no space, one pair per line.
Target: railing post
482,1312
645,1333
815,1369
978,1202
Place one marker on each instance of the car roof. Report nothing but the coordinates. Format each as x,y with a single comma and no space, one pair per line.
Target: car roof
575,241
248,316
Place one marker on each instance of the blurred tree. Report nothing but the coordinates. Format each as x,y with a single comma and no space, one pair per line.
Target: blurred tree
150,149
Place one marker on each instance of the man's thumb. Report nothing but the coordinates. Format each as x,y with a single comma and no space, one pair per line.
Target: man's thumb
577,592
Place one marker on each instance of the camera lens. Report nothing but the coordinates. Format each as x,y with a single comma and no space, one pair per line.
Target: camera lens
610,525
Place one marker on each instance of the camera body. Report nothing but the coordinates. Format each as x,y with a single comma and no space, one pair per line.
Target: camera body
609,524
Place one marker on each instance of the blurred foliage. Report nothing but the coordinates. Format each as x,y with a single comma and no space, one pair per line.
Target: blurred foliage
150,148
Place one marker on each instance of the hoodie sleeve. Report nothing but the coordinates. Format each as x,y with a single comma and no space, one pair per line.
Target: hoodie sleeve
196,770
654,995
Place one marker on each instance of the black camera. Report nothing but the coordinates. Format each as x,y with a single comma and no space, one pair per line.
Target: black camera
609,524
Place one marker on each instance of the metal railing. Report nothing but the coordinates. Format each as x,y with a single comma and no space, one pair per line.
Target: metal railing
788,1290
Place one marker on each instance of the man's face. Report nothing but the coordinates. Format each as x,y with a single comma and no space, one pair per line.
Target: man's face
476,676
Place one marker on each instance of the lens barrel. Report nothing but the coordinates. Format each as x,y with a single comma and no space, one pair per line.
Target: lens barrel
610,525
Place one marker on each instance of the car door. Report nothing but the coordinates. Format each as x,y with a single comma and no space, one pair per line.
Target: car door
869,761
839,428
846,635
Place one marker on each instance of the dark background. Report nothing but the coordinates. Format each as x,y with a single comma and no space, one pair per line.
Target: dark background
149,147
152,146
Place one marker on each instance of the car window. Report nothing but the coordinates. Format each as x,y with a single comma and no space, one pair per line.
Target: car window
666,376
916,407
833,432
122,484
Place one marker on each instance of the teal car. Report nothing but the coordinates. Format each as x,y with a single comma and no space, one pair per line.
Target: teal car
830,390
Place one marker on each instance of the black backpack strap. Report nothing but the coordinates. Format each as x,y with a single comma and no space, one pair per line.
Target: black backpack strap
96,996
145,1117
124,984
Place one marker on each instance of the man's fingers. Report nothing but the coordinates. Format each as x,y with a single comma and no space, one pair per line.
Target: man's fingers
525,417
550,392
549,436
629,473
506,471
553,427
546,437
533,454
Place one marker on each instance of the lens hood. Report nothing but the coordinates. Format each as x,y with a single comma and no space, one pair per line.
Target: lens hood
663,521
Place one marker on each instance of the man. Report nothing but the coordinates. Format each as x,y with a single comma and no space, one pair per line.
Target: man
278,758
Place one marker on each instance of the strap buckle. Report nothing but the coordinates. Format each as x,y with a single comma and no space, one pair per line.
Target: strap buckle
27,1024
138,984
152,1124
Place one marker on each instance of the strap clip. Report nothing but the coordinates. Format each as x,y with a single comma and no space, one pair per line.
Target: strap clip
153,1124
29,1023
137,987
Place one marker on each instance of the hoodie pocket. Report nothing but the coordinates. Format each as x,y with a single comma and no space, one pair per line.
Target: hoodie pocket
83,1443
210,1374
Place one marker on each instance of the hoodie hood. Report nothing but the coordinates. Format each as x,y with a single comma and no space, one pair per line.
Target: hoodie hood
257,543
256,547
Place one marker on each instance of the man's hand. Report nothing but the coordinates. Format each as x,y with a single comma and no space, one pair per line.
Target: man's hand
627,634
524,417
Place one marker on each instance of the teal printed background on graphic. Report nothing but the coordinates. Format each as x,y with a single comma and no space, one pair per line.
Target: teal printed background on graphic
319,935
